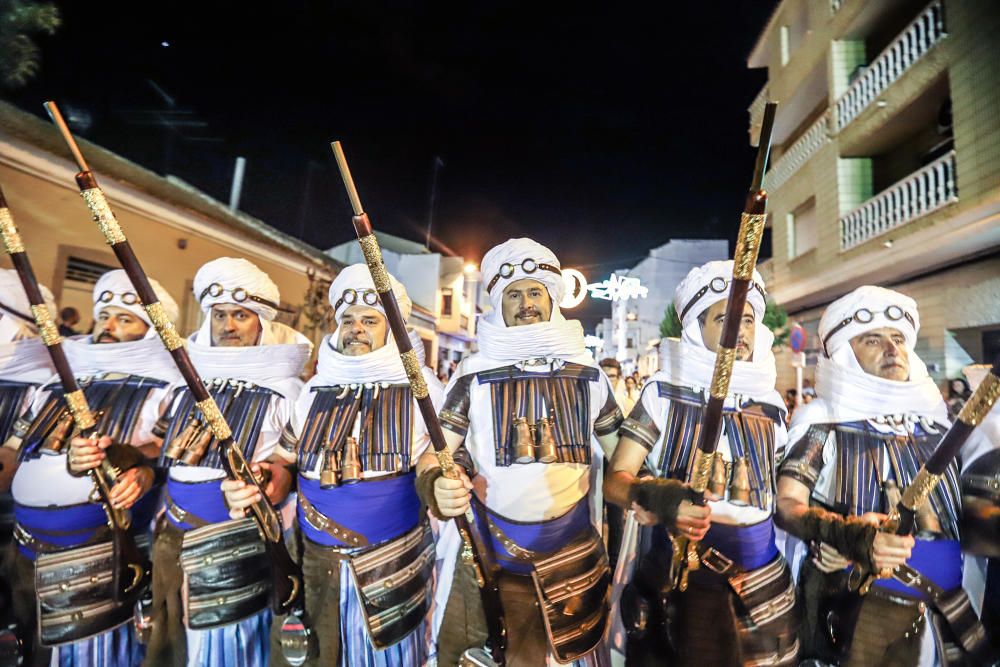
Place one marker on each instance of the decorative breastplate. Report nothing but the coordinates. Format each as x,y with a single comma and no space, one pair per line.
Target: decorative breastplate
357,428
189,439
750,431
864,483
117,399
12,396
543,417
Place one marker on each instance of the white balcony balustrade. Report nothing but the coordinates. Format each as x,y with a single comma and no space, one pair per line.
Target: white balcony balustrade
912,43
798,153
756,110
915,196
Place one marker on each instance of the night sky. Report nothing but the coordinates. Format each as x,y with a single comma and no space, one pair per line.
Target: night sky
600,132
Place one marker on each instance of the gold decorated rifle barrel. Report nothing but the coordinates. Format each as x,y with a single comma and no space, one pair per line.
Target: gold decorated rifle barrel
12,242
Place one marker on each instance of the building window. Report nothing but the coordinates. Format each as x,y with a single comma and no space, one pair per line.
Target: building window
802,229
785,45
446,298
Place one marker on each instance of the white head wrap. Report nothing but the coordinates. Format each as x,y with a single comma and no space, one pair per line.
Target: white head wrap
358,278
708,284
16,320
558,338
689,363
845,392
261,296
118,284
844,318
233,275
519,259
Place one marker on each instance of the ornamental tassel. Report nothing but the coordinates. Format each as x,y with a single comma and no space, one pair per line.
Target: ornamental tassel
57,437
524,443
739,487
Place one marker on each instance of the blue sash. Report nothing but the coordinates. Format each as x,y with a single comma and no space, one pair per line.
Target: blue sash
202,499
938,560
67,527
750,547
543,537
380,509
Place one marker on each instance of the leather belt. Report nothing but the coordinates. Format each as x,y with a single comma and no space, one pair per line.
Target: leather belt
37,546
954,610
320,521
180,515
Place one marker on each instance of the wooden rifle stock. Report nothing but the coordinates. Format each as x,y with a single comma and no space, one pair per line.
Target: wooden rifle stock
744,262
474,548
131,569
286,594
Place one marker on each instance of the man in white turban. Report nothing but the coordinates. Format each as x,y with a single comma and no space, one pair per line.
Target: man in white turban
355,435
536,415
710,622
126,375
876,419
252,366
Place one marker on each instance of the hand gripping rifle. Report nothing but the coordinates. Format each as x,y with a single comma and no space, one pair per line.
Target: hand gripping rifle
752,221
473,549
286,592
902,518
131,570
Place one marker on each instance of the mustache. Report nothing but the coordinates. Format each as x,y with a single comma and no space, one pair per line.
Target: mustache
530,311
357,338
107,337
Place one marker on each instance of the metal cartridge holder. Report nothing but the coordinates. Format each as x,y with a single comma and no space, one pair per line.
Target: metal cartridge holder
55,441
329,474
544,431
739,487
719,481
524,443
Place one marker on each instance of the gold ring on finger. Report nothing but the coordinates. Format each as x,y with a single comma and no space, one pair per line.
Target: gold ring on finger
885,573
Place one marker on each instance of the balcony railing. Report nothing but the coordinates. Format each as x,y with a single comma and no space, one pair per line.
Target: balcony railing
917,39
811,141
913,197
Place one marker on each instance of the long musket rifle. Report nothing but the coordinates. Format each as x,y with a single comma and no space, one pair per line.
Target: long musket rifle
131,568
744,262
473,549
286,592
902,518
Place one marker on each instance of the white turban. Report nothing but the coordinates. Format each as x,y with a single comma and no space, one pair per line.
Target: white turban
120,288
845,318
708,284
15,311
237,278
356,277
518,259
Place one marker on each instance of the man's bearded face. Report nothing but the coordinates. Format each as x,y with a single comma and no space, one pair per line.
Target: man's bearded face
526,301
711,329
882,352
234,326
362,330
117,325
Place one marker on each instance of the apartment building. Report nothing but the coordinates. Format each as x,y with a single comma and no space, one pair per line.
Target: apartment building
886,164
